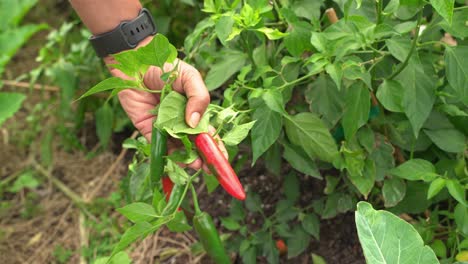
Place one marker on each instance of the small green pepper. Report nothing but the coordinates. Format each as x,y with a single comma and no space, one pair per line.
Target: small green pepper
158,150
209,238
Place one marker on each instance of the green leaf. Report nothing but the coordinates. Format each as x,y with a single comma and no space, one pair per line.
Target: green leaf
137,231
236,135
457,71
435,187
13,38
270,251
452,110
366,138
439,248
211,182
291,187
311,224
271,33
265,131
299,160
230,223
183,157
25,180
415,169
236,210
458,26
223,28
104,124
326,100
390,95
450,140
157,52
179,223
298,242
128,63
171,116
399,47
444,8
415,200
298,39
12,12
393,191
419,94
307,9
119,258
357,109
336,73
177,174
456,190
139,187
274,100
110,84
385,238
228,63
10,104
316,259
461,218
285,211
364,182
309,132
253,202
138,212
332,182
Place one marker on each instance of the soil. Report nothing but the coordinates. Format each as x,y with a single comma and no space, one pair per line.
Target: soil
58,221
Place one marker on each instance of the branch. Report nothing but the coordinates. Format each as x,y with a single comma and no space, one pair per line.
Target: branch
60,185
410,53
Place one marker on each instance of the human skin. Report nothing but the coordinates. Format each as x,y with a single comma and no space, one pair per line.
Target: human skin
103,16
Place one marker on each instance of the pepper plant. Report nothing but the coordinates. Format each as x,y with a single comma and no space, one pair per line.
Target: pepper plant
373,103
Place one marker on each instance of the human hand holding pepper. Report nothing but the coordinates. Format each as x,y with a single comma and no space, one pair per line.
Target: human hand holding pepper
139,104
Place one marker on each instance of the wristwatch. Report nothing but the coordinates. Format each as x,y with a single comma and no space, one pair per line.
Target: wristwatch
125,36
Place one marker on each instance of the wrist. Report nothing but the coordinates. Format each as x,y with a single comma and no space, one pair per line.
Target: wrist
104,15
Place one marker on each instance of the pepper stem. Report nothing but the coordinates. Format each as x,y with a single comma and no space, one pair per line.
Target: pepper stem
195,201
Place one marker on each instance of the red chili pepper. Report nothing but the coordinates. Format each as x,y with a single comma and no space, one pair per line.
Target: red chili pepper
281,246
219,165
168,185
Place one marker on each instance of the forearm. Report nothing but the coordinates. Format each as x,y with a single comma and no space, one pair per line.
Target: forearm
101,16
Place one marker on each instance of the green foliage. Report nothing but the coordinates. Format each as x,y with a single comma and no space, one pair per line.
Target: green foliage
377,97
386,238
372,104
61,254
12,37
11,103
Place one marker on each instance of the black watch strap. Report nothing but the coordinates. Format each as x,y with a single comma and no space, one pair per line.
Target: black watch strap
125,36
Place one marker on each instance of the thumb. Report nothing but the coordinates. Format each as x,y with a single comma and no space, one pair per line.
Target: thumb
198,97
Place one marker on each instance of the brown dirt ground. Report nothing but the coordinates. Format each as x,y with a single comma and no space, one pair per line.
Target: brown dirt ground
59,221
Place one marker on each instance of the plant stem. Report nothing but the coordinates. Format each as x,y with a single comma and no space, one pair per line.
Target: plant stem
460,8
379,4
298,80
195,200
413,47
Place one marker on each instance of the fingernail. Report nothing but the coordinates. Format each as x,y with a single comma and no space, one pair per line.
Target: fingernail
194,119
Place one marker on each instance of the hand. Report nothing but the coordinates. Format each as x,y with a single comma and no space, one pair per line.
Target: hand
138,104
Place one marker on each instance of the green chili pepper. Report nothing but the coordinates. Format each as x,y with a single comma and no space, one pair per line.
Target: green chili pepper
158,150
209,238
